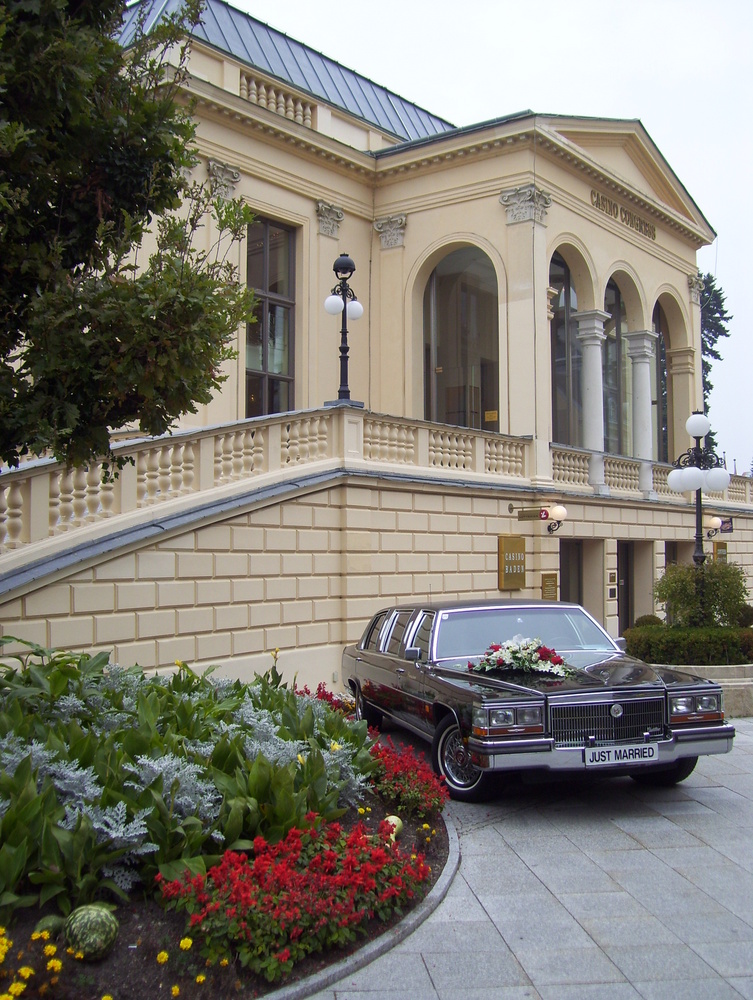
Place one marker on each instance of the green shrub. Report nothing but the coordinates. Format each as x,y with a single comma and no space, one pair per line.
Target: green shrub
745,618
712,594
648,621
690,646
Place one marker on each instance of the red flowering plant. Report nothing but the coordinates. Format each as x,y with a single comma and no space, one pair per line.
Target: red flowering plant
307,893
525,655
406,781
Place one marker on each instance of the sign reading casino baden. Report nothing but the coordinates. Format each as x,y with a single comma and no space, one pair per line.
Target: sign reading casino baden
624,215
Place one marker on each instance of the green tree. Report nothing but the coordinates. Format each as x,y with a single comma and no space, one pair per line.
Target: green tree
707,595
96,151
714,320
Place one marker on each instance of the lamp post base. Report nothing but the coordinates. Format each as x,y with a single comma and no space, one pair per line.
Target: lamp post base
344,402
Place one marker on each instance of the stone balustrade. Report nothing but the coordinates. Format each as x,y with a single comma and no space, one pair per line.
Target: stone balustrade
42,499
278,99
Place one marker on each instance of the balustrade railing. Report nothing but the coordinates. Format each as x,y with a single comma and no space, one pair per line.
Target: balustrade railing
42,499
277,99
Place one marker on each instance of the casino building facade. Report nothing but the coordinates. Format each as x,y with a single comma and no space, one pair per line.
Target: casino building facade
530,340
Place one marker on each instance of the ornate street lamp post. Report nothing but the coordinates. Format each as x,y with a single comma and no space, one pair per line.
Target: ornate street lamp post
698,469
343,300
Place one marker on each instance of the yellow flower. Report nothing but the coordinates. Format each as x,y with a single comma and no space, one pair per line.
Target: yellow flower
224,962
175,991
301,759
106,997
185,943
79,955
50,949
24,972
162,957
45,935
335,746
361,811
16,989
201,978
425,826
54,965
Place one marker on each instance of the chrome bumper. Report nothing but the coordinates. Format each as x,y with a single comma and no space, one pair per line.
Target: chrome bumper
541,753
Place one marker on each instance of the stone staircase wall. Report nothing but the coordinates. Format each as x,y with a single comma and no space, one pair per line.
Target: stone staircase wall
737,684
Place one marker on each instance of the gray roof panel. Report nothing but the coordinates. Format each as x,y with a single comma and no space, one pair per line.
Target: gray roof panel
250,41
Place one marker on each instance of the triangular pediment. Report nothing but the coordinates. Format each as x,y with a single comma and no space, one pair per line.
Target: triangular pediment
625,151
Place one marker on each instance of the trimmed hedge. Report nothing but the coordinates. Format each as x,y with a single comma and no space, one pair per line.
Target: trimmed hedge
690,646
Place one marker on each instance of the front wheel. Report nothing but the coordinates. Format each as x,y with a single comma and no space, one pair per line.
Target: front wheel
666,776
451,759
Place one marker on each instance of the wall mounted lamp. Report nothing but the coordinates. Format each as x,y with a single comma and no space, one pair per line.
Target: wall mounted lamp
553,514
711,523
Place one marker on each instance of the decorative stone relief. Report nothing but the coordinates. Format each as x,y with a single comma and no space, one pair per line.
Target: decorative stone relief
330,217
695,284
222,178
391,230
525,203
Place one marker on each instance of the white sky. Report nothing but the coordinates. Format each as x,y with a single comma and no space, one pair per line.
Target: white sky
683,67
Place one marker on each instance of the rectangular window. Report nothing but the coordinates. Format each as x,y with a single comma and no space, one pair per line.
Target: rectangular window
270,338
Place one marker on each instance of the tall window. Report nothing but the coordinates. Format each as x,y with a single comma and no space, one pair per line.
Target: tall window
461,342
659,398
269,341
567,408
617,376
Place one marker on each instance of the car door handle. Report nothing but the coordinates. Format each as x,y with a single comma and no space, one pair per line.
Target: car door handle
399,670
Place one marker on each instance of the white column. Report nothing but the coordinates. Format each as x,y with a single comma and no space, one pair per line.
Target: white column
591,336
641,348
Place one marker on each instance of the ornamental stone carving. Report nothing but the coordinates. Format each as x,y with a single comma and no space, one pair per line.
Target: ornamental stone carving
222,178
525,203
330,217
391,230
695,284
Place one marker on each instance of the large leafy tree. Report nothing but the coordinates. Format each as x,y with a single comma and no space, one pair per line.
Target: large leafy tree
96,151
714,320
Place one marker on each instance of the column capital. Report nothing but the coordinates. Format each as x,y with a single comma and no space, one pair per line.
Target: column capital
222,178
641,344
525,203
591,325
695,284
391,229
681,360
330,217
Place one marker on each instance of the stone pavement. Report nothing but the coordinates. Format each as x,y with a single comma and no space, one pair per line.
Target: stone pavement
601,891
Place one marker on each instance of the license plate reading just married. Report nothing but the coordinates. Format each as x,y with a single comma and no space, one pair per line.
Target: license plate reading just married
641,753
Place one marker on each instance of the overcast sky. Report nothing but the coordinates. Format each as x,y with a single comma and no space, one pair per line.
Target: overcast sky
683,67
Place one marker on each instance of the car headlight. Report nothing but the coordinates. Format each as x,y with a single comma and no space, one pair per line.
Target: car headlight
698,704
501,717
501,721
682,706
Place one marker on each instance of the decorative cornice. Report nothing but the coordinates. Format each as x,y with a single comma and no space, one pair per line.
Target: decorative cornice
695,284
330,217
526,203
222,178
391,230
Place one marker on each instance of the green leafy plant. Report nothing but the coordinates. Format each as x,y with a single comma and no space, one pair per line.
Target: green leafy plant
648,621
707,595
690,646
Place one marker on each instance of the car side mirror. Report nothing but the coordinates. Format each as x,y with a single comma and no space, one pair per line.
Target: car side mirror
621,642
413,653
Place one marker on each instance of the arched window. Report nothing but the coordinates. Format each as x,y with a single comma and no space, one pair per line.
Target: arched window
617,376
461,342
567,409
659,398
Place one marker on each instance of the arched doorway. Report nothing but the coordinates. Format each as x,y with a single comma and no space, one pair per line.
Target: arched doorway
461,342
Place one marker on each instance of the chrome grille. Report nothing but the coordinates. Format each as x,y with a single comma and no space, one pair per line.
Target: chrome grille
573,725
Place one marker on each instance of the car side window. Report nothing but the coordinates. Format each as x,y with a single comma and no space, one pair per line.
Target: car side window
371,638
397,631
422,635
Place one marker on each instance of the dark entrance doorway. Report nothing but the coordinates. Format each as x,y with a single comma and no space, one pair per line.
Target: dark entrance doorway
625,601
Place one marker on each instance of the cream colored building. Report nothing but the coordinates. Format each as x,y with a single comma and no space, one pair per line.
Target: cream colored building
531,337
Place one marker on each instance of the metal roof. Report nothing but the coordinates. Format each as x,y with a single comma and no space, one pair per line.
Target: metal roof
257,44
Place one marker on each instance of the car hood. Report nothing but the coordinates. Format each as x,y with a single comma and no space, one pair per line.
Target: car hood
591,671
